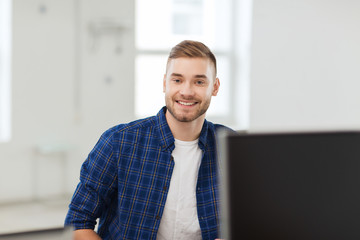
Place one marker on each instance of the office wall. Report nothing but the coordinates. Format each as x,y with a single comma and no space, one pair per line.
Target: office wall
305,65
73,64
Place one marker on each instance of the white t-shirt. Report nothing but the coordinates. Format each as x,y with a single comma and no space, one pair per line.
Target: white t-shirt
180,219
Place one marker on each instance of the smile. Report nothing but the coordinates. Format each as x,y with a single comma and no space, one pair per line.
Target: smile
186,103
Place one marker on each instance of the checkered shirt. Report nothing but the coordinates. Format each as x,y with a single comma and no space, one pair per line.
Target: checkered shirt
125,179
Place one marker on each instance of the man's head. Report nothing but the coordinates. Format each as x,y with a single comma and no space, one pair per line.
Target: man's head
192,49
190,81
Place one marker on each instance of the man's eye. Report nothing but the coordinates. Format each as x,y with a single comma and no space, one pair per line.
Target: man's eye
200,82
176,80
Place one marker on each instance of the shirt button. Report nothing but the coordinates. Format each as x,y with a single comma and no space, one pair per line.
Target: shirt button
165,188
157,217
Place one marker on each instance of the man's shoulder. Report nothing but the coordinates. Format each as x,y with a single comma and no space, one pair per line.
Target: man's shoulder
214,130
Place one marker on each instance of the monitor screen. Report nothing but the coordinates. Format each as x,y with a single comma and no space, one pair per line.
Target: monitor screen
291,185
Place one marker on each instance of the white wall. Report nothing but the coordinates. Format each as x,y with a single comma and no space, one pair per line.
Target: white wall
305,65
67,88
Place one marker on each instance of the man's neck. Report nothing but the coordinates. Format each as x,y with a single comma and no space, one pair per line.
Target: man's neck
185,131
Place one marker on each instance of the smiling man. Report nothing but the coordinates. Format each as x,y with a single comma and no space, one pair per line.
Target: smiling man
156,178
189,83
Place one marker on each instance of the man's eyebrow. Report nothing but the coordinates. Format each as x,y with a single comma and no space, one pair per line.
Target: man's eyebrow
195,76
176,75
201,76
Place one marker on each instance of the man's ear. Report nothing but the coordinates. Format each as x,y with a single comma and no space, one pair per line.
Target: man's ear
164,83
216,87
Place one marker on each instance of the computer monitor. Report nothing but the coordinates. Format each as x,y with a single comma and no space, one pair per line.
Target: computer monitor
291,185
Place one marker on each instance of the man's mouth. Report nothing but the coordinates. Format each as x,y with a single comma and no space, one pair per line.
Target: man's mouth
186,103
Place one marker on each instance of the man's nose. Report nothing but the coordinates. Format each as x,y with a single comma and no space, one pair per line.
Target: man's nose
187,89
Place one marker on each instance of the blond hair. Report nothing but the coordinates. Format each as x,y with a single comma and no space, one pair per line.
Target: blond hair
191,49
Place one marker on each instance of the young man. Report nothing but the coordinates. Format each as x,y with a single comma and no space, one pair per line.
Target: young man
156,178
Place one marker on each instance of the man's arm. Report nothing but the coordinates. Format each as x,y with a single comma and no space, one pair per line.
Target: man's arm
96,188
86,234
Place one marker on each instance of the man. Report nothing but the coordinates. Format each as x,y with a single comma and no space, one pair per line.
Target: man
156,178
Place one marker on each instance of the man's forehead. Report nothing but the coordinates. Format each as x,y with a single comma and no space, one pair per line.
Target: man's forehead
202,65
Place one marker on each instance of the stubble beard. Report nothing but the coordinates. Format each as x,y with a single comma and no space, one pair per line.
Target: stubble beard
186,117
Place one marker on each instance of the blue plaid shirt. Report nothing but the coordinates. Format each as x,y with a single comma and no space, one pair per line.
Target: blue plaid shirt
125,179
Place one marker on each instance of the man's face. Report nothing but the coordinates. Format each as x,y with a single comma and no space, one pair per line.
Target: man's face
189,84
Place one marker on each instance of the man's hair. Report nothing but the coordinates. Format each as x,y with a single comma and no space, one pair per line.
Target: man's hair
191,49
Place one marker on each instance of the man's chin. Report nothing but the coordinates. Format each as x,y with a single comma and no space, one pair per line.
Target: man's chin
187,116
184,118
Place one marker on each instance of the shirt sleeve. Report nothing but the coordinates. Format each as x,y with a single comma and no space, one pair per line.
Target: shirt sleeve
96,187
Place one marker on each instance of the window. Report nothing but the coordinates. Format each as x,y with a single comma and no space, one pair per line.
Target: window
161,24
5,69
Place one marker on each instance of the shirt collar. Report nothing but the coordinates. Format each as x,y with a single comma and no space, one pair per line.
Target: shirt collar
203,136
167,139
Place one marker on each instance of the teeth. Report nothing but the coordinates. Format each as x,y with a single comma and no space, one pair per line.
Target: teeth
186,104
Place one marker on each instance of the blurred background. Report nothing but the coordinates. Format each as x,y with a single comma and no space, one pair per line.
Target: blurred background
71,69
